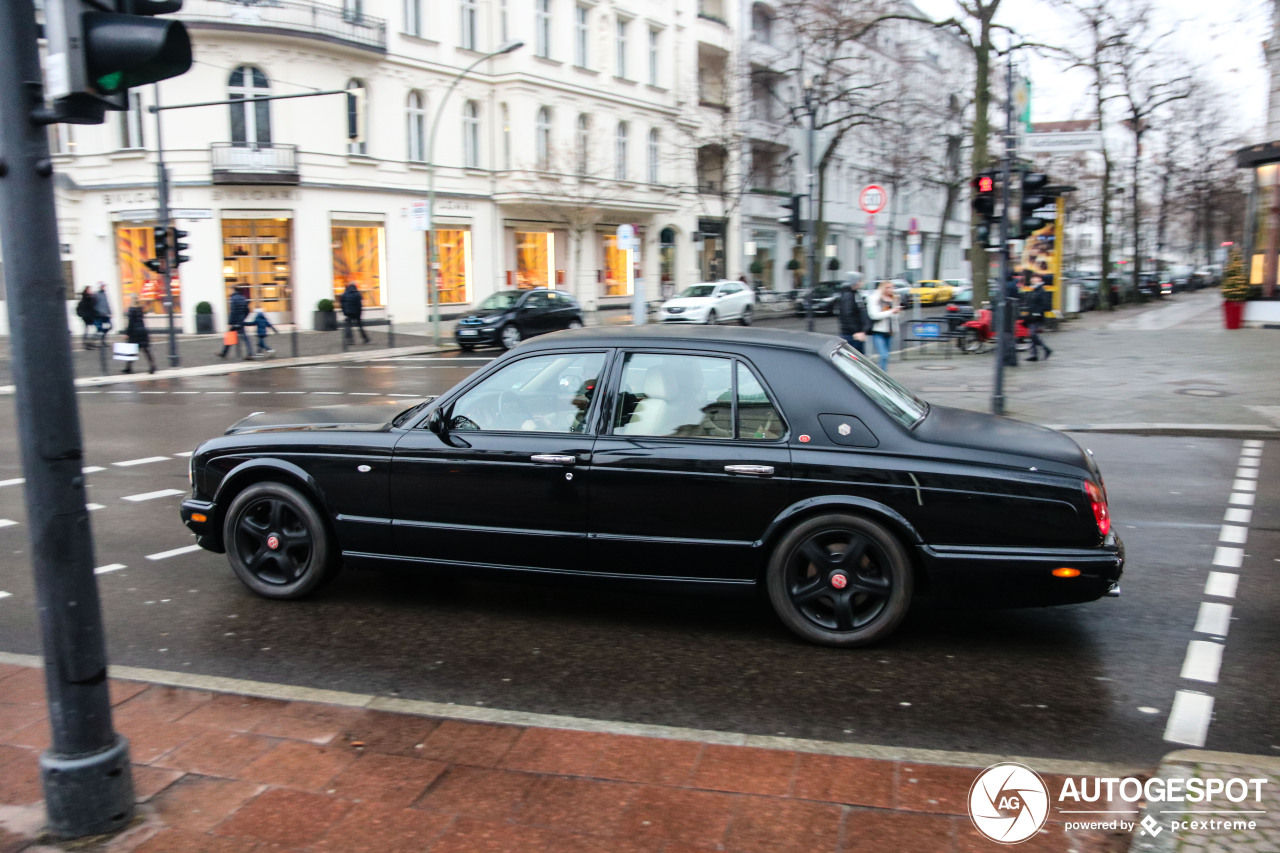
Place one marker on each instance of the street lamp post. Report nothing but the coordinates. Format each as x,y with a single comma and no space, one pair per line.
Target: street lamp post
433,259
811,100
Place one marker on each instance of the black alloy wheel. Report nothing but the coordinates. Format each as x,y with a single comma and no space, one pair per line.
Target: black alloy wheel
745,319
510,335
711,317
277,542
840,580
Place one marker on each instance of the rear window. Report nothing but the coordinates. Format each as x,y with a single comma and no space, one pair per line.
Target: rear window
906,407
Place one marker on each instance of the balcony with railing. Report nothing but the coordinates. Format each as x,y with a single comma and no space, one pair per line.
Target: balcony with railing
253,163
346,24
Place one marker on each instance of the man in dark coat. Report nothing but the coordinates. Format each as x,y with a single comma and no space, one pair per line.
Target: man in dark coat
854,322
352,306
135,331
237,312
1038,304
87,311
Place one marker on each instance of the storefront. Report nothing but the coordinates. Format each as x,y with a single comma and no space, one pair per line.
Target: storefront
762,256
454,282
135,245
615,274
711,260
257,259
667,262
535,254
359,246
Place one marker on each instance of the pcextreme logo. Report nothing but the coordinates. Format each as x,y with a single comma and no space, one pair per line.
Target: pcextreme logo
1008,802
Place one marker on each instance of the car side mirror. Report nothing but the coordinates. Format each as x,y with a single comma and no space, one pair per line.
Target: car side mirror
435,422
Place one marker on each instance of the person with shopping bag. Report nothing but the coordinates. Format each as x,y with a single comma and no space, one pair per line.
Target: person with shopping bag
135,332
237,313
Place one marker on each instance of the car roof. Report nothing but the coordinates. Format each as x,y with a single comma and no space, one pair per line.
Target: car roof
680,336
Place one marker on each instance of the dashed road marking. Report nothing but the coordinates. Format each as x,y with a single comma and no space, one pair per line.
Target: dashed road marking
1238,516
144,461
7,522
1241,499
1221,584
1232,558
1244,486
112,567
1233,533
1250,462
1253,444
1247,473
4,594
92,469
92,507
1189,718
1203,660
148,496
184,453
164,555
1213,618
16,481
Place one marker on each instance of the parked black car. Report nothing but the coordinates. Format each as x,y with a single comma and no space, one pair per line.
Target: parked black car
824,298
509,316
671,457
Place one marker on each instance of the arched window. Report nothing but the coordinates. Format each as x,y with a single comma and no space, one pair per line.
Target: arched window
471,134
583,143
250,123
543,138
417,125
654,147
468,38
361,102
620,170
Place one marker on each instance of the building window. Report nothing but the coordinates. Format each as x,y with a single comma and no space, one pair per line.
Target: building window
655,37
135,245
454,248
542,29
250,122
417,123
534,253
256,260
131,123
413,17
581,37
471,134
361,102
620,170
469,24
583,145
357,259
617,280
506,137
654,147
622,47
543,139
761,25
502,21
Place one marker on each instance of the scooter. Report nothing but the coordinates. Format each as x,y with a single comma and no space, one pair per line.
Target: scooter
979,332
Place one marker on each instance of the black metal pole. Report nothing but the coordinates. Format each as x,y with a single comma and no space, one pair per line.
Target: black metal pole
162,191
811,229
1002,306
85,772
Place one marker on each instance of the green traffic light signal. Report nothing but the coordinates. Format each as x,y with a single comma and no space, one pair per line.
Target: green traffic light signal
123,51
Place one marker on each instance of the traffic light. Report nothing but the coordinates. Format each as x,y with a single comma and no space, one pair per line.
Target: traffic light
984,207
160,262
178,247
99,49
793,219
1034,196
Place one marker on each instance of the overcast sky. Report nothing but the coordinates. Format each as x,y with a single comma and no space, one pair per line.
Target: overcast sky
1222,36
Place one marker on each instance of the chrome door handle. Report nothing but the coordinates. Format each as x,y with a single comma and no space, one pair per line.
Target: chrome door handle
553,459
753,470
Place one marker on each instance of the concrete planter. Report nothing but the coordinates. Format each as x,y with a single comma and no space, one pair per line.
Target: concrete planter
325,321
204,324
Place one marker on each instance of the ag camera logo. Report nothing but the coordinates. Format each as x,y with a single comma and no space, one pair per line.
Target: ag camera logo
1008,803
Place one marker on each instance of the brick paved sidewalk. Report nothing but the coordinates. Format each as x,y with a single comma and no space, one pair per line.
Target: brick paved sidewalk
228,773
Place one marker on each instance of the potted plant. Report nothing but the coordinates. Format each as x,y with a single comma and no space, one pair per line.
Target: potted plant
204,318
833,264
1235,290
794,266
325,320
757,270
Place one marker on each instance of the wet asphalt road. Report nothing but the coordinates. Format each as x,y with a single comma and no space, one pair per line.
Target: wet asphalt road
1093,681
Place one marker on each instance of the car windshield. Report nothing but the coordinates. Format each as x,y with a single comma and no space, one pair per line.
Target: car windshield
696,290
880,387
503,299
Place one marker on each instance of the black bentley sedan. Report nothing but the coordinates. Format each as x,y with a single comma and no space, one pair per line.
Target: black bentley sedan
726,458
509,316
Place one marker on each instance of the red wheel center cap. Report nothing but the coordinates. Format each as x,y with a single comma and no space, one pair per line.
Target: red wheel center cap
273,542
839,581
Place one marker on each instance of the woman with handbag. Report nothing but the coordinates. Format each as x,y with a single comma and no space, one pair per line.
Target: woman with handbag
135,332
883,310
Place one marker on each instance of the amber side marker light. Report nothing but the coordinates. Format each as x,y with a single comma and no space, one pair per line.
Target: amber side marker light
1066,573
199,516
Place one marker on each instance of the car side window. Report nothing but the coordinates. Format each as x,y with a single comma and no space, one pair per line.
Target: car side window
546,393
537,301
758,417
684,396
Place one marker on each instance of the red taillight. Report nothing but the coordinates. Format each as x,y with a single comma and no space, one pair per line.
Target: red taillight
1099,503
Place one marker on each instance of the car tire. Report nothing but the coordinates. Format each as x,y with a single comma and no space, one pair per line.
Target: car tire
745,318
823,597
466,347
711,317
303,557
972,341
510,335
574,324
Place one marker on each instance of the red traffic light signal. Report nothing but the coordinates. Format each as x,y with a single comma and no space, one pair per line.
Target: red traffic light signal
985,184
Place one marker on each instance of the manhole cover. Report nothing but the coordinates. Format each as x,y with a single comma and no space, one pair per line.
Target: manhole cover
935,367
1201,392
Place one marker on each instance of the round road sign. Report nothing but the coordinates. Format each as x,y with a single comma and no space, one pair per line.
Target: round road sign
872,199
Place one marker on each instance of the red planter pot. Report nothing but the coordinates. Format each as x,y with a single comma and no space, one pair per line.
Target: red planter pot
1233,314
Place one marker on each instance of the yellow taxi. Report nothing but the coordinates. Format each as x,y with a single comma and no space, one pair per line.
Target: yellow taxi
932,292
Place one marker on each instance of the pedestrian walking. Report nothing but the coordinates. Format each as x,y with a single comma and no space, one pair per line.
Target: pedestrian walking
883,309
352,307
86,311
854,321
102,313
1038,305
262,324
237,312
135,332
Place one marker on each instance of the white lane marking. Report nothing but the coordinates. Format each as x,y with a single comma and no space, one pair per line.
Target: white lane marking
406,395
188,392
1240,516
255,392
1241,498
1250,462
363,394
1247,473
1232,558
288,392
148,496
186,549
1213,618
113,567
92,469
1203,661
7,522
1253,443
4,594
1244,486
119,392
153,392
1251,451
328,392
1221,584
1189,718
439,358
219,392
92,507
184,453
16,481
1233,533
144,461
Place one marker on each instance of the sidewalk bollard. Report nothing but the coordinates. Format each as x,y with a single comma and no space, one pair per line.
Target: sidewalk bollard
102,355
293,341
391,334
346,330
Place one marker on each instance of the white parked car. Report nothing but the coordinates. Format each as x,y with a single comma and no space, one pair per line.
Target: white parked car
710,302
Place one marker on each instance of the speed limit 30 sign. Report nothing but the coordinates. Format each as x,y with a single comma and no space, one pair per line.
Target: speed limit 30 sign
872,199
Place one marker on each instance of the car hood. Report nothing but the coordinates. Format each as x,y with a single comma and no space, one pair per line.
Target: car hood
993,433
688,302
485,314
368,417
